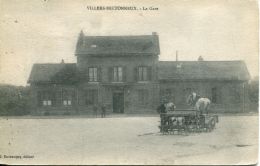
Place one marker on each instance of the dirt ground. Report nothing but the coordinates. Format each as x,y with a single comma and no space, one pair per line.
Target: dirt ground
125,140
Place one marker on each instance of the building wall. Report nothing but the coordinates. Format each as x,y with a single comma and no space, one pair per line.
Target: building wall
230,95
57,107
130,63
130,85
131,103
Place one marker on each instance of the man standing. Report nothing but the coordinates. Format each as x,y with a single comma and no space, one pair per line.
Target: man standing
161,109
103,111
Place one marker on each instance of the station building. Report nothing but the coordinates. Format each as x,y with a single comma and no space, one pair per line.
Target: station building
125,74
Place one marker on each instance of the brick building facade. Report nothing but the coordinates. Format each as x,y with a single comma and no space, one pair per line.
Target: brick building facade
125,74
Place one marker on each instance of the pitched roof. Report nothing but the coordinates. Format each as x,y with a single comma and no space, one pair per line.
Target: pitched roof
117,45
167,71
196,70
54,73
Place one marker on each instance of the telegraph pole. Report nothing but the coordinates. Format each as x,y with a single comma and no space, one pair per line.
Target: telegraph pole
176,55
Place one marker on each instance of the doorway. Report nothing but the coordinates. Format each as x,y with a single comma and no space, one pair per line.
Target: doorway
118,102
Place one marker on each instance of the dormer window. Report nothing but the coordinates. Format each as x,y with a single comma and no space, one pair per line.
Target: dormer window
93,46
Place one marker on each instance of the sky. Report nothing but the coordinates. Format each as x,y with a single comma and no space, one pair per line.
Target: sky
46,31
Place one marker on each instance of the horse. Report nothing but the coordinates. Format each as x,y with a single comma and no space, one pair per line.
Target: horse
169,107
201,104
165,107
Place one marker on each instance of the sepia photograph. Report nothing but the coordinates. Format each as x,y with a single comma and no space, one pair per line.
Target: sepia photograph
173,82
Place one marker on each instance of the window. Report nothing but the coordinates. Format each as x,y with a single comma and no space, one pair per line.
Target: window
142,74
66,102
215,95
117,74
91,97
143,97
235,94
67,96
92,74
45,98
46,102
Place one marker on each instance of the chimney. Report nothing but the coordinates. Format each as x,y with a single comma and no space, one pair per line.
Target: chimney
176,56
81,33
155,39
62,61
81,40
200,58
154,33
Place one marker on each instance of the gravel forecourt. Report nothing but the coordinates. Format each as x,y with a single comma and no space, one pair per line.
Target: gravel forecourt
125,140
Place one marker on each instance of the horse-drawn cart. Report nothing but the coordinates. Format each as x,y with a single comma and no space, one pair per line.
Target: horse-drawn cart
184,121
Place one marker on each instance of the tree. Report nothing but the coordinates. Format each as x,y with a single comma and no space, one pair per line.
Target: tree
254,90
14,100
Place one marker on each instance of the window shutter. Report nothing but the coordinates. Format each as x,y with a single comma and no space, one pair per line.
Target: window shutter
124,74
81,75
86,97
149,73
219,95
53,98
136,74
39,98
110,74
57,97
87,75
73,97
99,74
95,97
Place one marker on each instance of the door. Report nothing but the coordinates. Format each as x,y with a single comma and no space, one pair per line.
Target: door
118,102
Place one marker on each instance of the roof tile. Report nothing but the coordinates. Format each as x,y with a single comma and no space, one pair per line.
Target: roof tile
188,70
54,73
118,45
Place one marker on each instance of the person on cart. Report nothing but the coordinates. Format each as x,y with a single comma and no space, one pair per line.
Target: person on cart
161,108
